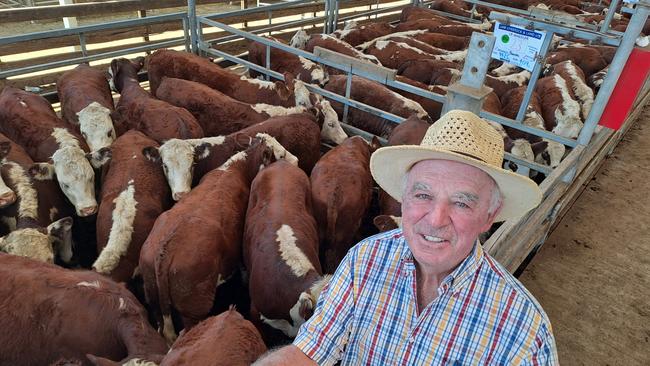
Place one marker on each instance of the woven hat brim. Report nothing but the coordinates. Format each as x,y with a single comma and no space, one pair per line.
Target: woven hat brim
388,166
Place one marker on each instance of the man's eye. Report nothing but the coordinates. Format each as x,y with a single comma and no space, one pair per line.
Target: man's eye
461,205
422,196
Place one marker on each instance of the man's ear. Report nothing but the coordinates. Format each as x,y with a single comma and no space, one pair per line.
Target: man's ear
100,157
152,154
41,171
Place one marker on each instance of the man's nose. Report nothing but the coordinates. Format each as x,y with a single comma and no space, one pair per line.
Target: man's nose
438,215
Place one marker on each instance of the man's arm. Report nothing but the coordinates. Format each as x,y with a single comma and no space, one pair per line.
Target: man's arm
289,355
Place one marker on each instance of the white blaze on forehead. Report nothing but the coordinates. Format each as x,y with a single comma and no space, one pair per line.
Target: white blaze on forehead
259,83
567,118
28,204
76,177
275,110
411,105
96,125
29,243
120,236
290,253
279,152
331,130
94,284
233,159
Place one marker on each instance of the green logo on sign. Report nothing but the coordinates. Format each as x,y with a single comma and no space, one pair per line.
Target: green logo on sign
505,38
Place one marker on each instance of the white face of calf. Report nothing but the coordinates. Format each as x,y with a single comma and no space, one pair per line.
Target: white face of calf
279,152
299,40
96,126
331,130
177,159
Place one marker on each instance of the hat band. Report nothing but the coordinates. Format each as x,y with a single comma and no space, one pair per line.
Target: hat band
470,156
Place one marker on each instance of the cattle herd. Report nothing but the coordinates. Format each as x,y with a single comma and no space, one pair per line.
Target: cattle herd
197,223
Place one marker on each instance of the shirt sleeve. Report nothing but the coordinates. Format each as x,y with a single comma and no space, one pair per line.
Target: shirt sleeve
324,336
546,352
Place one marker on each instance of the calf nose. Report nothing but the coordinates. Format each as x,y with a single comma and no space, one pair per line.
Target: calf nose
87,211
7,198
178,195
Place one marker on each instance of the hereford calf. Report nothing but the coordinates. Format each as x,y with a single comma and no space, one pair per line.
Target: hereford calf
432,107
212,214
560,111
393,54
341,190
588,59
29,120
77,313
217,113
281,249
575,79
356,35
332,43
138,110
183,65
377,95
283,62
554,151
424,70
86,105
437,40
291,93
185,162
435,26
223,340
134,193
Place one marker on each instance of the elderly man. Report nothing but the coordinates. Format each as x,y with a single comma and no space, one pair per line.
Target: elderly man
427,294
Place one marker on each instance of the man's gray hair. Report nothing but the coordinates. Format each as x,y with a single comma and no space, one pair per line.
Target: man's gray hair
496,198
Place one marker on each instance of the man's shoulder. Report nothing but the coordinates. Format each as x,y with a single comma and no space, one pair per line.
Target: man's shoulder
518,291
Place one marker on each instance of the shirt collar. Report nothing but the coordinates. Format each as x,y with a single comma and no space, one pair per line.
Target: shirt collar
459,276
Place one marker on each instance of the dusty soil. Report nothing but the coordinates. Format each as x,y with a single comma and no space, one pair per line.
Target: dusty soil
592,276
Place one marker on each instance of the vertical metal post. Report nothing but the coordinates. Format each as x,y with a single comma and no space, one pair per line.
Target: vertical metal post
348,91
269,14
82,44
534,76
326,22
610,15
186,35
191,13
335,18
469,93
268,62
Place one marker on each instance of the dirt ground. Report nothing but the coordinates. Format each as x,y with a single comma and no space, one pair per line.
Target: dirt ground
592,276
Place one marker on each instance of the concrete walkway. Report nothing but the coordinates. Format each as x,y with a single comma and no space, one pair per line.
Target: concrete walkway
592,276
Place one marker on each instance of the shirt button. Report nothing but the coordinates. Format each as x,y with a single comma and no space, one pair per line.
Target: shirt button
411,340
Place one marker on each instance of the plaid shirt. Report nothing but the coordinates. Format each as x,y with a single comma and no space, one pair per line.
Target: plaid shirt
368,314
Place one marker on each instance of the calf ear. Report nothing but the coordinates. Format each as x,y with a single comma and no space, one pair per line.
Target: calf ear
152,154
41,171
201,151
508,144
385,223
100,157
242,140
5,148
60,229
374,144
539,147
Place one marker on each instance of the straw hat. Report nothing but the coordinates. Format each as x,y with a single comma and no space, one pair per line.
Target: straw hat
463,137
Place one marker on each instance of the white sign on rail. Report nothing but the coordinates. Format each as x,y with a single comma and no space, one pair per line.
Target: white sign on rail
517,45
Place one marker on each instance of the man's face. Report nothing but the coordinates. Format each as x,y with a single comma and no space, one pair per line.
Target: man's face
444,209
